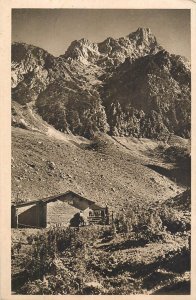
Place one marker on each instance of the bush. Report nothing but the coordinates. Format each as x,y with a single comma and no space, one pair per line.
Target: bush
178,154
174,220
77,220
60,255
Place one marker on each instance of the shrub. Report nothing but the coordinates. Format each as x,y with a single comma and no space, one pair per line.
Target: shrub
174,220
178,154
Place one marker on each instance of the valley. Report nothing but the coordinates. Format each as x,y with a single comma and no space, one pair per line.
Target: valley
110,121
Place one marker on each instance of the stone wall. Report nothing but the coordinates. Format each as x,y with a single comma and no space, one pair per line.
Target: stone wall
59,212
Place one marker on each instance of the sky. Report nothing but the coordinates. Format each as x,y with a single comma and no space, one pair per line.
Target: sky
54,29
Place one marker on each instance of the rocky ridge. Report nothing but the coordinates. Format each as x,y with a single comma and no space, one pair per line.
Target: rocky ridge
112,52
128,86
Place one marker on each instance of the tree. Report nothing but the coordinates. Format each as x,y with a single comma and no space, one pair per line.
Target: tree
77,220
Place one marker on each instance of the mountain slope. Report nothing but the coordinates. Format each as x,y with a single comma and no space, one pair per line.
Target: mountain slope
103,170
128,86
149,97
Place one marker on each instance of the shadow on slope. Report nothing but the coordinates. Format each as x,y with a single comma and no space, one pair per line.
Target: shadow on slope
179,288
181,176
124,245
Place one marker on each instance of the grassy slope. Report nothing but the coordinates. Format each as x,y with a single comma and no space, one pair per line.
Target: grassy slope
112,173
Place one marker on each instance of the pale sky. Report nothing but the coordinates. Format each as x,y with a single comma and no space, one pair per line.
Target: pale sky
54,29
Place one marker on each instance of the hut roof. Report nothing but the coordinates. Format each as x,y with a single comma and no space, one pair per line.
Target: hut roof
52,198
94,206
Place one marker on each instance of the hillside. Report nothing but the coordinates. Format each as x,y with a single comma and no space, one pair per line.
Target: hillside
154,258
47,164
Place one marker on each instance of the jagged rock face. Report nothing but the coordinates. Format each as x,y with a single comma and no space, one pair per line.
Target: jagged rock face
127,86
149,97
83,51
32,70
69,108
112,52
135,45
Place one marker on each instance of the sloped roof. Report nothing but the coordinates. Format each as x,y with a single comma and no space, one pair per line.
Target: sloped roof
52,198
94,206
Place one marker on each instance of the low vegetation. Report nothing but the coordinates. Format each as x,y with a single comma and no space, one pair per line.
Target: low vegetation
140,252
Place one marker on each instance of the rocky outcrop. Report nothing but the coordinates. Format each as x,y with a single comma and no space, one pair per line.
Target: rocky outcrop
149,97
32,70
112,52
127,86
70,108
83,51
135,45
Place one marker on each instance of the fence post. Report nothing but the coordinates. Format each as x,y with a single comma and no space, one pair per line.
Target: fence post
16,218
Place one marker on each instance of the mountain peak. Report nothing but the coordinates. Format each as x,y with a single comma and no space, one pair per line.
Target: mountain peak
84,42
143,35
143,30
82,50
113,51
